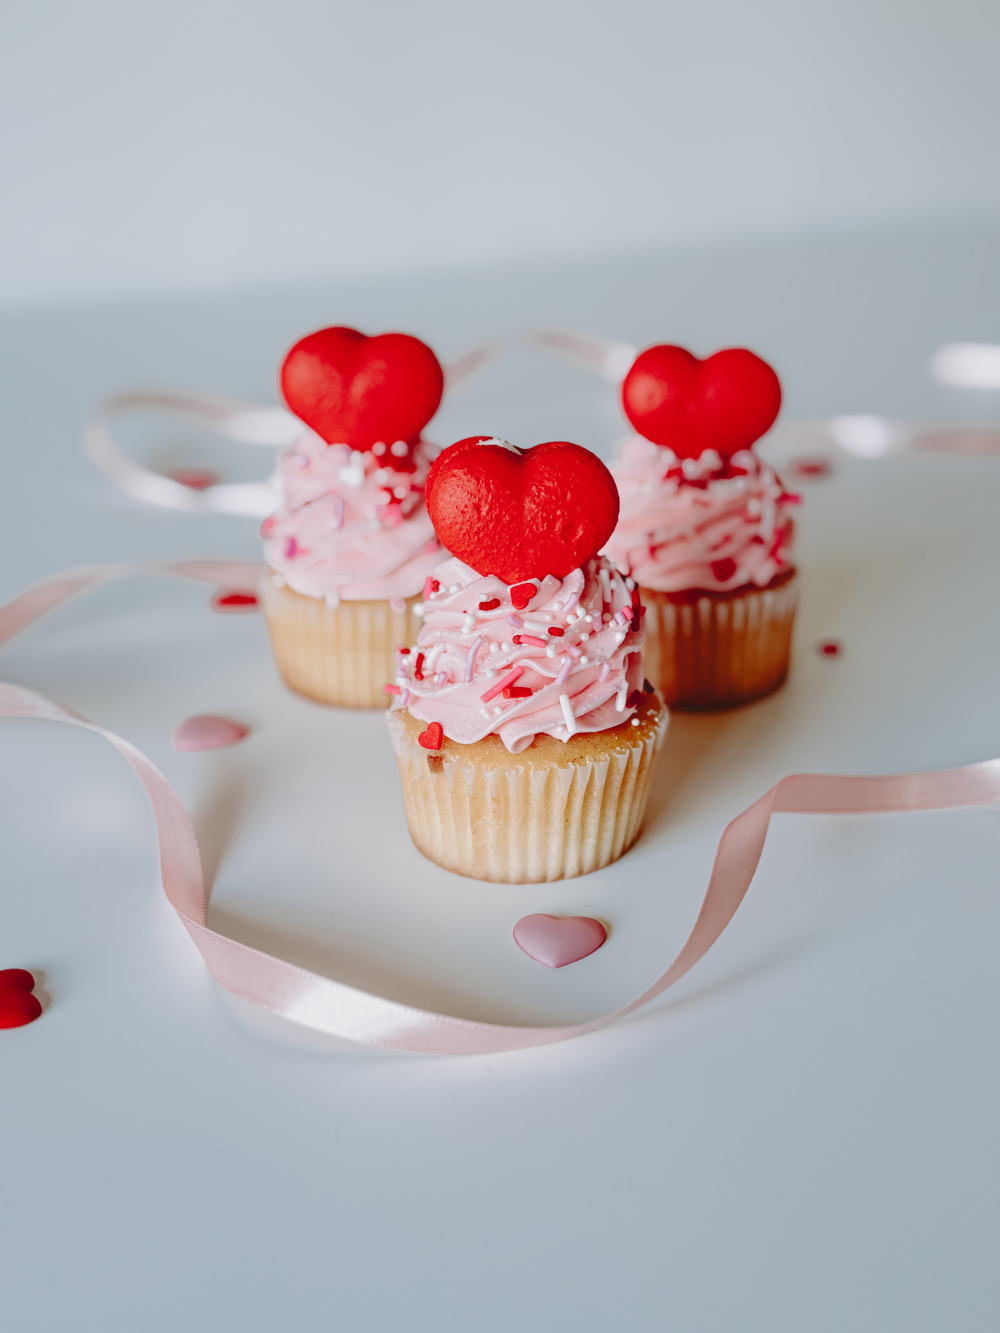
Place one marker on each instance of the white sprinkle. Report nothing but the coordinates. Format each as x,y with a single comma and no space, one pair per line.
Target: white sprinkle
455,587
485,712
400,449
550,651
584,660
505,647
278,581
490,672
568,714
635,722
589,619
630,584
620,697
605,584
332,599
584,638
497,712
618,636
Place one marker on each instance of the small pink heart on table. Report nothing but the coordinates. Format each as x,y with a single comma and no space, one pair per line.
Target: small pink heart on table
206,731
234,602
17,1004
555,941
195,478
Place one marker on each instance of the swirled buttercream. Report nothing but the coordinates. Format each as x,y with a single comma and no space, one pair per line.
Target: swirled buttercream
350,526
699,523
569,662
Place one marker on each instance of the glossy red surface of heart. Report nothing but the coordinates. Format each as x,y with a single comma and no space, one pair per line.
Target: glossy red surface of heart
521,514
355,390
725,402
17,1004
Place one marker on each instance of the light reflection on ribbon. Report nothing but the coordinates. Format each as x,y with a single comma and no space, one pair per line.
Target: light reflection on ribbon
343,1011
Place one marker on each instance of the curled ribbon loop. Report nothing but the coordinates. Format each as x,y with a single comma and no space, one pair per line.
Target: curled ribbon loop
344,1011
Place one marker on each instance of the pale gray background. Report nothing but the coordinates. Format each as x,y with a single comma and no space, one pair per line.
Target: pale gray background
802,1137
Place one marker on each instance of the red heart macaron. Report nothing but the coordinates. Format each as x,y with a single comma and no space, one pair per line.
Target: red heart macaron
725,402
17,1004
521,514
360,391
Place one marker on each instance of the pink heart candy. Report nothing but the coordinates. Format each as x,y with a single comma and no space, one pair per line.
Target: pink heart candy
555,941
208,732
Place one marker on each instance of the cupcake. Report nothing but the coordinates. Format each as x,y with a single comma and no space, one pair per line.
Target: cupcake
349,550
706,528
523,726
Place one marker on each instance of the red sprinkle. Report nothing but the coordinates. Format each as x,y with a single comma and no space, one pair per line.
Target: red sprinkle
723,570
405,651
517,692
504,684
635,596
830,647
231,602
392,689
521,594
529,638
491,605
418,667
432,738
554,629
810,469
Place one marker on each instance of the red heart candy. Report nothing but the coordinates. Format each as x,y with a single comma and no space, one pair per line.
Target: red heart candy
433,737
17,1004
521,514
724,402
234,603
355,390
556,941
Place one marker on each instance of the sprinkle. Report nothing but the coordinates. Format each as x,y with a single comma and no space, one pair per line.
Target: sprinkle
485,712
564,671
604,673
584,638
584,660
529,638
400,449
441,678
277,580
568,714
455,587
404,698
550,651
505,647
605,578
536,625
517,692
418,669
491,605
497,711
502,684
589,619
430,585
379,448
620,697
392,689
494,648
521,594
573,651
556,631
404,651
470,661
515,621
630,584
619,635
830,648
635,722
398,604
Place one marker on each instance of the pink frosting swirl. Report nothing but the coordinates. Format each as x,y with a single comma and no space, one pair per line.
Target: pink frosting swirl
350,526
579,680
696,523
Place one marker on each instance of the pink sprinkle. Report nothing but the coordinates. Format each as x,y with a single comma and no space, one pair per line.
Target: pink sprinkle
398,604
427,587
789,498
392,689
404,698
470,661
339,510
573,652
195,478
291,548
441,678
267,527
604,673
502,684
564,671
532,639
516,621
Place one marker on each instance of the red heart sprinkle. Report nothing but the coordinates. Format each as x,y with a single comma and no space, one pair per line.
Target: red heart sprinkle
17,1004
491,605
361,391
556,941
724,570
432,738
234,602
195,478
725,402
521,514
521,594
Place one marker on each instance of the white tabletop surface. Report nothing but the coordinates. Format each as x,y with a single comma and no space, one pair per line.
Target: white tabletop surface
801,1135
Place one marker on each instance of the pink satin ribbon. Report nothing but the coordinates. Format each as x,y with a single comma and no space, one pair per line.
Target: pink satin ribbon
328,1006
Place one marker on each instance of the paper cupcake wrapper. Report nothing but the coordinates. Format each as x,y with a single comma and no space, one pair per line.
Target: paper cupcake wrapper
342,654
719,650
551,812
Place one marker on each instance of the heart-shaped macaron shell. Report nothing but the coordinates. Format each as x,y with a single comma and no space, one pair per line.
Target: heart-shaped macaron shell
555,941
17,1004
355,390
521,514
725,402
